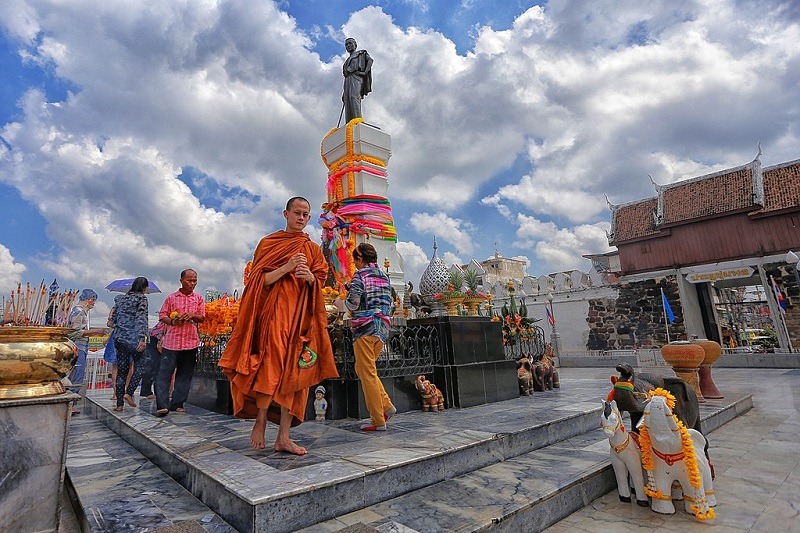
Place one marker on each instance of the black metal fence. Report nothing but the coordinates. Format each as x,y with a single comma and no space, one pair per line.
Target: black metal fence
208,356
533,348
411,349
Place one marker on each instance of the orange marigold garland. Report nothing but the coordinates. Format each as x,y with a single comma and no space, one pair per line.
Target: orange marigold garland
690,459
220,318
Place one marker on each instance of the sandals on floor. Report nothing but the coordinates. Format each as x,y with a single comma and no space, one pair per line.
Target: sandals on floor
118,408
129,400
180,410
162,412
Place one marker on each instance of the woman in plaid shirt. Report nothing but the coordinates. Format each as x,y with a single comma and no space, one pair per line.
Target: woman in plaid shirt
369,298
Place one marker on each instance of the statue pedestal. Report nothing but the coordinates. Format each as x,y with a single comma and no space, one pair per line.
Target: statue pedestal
34,433
357,156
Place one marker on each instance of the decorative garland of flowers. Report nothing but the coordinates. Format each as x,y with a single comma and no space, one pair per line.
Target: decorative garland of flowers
350,158
690,459
221,315
330,292
335,186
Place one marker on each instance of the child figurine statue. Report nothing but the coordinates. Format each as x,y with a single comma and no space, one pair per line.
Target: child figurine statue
320,403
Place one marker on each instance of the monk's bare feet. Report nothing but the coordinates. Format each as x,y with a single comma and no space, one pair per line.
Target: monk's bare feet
289,447
257,435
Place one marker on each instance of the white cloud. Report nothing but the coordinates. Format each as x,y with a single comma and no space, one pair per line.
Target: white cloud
450,258
10,272
559,249
583,99
415,261
452,230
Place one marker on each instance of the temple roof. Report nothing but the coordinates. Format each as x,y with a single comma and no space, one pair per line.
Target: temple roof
633,220
747,188
781,187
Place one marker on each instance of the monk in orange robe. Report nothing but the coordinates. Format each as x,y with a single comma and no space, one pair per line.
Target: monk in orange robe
280,347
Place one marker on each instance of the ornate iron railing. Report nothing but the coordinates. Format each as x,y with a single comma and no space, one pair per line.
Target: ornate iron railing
411,349
208,356
532,348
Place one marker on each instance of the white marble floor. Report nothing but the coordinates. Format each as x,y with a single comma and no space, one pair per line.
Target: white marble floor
756,459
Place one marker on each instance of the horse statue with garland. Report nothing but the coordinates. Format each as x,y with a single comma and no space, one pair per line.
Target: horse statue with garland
626,457
671,452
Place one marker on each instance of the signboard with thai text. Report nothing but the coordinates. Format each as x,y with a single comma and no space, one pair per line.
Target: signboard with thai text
719,275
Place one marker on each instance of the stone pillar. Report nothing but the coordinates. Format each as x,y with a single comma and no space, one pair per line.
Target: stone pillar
34,435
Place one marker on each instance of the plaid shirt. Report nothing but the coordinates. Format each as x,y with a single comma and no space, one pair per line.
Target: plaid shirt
370,300
183,336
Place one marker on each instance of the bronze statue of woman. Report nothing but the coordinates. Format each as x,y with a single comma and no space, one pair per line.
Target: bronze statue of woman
357,71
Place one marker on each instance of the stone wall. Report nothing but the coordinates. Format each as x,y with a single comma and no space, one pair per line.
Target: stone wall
635,319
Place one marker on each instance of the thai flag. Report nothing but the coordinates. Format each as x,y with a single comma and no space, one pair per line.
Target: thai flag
550,318
779,296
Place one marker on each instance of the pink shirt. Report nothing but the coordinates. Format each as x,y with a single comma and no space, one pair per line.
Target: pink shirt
183,336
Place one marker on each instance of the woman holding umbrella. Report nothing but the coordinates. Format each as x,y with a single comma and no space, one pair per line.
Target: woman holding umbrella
129,317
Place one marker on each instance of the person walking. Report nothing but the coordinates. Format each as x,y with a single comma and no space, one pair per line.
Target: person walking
110,357
78,320
181,312
152,361
280,347
129,317
369,298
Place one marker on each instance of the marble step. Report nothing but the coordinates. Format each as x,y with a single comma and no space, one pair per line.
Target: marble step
525,493
347,469
113,487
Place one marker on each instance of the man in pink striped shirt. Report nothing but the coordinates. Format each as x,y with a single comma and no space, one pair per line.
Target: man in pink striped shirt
181,312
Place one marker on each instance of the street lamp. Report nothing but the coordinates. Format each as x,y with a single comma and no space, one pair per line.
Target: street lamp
555,341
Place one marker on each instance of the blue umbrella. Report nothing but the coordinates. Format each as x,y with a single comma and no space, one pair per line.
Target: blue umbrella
124,285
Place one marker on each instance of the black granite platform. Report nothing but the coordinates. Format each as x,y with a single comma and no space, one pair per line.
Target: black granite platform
347,470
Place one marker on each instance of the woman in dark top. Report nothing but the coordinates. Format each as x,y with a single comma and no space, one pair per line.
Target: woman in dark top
130,339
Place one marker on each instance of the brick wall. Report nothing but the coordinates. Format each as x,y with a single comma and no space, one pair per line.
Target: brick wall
636,318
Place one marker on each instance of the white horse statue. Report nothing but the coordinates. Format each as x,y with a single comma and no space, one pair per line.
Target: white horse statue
626,458
670,452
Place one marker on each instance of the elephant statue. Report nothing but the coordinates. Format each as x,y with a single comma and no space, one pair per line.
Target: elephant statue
432,399
419,305
524,376
545,373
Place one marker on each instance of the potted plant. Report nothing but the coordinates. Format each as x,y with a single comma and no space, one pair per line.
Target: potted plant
452,297
472,296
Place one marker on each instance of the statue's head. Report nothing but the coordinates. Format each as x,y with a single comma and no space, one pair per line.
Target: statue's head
350,44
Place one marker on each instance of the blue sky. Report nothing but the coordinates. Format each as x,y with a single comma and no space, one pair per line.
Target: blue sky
139,138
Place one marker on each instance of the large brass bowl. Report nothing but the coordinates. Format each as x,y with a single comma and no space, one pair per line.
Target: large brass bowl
33,360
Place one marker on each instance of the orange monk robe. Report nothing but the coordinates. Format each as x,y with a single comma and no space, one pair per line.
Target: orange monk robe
274,325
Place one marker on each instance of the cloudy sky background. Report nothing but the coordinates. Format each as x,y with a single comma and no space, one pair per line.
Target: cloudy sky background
143,137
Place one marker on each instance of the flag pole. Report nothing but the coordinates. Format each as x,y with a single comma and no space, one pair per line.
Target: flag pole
664,307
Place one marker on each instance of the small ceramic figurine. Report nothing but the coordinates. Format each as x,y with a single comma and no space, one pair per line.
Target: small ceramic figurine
524,376
320,403
432,399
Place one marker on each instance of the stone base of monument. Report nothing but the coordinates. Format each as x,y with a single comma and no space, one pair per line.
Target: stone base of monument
346,398
472,369
211,393
34,446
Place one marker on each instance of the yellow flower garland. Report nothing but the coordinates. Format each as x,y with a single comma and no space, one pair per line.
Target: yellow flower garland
689,458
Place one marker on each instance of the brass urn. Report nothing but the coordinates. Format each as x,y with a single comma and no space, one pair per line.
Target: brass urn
33,360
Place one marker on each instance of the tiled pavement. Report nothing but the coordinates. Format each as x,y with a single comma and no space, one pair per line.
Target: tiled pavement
756,460
755,455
